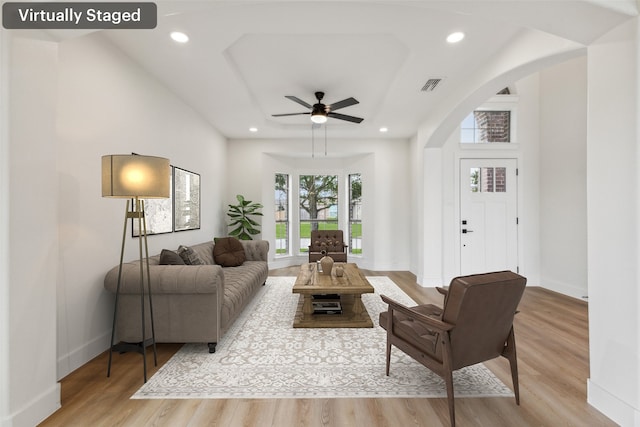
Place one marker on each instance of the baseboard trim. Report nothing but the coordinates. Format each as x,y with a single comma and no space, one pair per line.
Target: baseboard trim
71,361
611,406
36,411
564,288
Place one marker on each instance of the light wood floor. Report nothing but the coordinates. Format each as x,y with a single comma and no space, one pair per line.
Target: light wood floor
553,360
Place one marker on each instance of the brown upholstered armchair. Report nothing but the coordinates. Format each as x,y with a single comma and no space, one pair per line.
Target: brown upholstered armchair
330,241
474,325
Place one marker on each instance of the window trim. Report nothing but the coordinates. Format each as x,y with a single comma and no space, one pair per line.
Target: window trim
293,200
287,222
350,220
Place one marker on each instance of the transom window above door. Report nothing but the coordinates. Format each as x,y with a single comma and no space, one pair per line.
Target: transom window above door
485,127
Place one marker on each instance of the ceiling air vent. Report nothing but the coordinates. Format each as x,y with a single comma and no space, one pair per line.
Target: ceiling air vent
431,84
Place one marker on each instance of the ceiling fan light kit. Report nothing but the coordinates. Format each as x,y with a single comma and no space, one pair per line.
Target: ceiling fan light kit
318,116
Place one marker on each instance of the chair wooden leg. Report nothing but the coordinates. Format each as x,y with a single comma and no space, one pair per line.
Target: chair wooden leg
389,333
448,379
510,354
388,356
448,375
514,377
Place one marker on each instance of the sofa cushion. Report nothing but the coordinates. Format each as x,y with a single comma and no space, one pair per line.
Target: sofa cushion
228,252
169,257
189,256
240,284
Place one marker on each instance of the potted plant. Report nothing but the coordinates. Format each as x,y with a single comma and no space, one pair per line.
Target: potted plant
240,215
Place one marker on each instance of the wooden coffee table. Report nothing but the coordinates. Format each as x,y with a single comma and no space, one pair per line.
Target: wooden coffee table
349,289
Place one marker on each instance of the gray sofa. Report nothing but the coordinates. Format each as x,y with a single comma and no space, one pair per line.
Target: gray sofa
191,303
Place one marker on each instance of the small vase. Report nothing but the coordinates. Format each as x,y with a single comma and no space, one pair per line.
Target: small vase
339,271
327,264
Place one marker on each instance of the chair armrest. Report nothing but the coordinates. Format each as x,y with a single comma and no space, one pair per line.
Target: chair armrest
168,279
433,324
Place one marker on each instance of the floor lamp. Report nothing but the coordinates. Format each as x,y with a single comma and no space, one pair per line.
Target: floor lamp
132,176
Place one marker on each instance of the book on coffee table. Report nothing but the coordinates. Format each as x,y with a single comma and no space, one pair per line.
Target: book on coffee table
327,307
326,297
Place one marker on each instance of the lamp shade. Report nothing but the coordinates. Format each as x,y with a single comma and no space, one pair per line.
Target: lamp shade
131,175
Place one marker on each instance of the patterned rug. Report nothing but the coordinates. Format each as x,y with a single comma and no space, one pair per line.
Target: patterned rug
263,356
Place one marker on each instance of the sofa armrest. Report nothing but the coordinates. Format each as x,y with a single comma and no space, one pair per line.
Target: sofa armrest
256,250
168,279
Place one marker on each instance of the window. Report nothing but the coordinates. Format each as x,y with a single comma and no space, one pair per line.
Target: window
486,126
316,207
355,214
318,197
488,180
282,213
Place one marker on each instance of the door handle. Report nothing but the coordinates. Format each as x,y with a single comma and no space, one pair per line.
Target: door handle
465,231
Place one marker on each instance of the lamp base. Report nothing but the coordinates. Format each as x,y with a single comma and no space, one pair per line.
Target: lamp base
127,347
137,212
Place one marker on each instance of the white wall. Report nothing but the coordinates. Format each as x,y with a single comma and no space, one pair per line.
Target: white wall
415,186
108,105
613,189
5,303
432,208
563,177
33,392
384,165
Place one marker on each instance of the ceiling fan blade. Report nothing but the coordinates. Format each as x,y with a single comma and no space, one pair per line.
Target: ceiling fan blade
290,114
341,104
345,117
298,100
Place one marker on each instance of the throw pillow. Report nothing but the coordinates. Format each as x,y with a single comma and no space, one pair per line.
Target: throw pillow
168,257
189,256
228,252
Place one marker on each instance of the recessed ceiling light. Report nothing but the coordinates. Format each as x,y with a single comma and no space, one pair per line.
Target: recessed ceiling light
253,129
455,37
179,37
384,129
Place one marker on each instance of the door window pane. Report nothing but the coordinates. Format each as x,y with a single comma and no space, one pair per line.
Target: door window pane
501,180
488,180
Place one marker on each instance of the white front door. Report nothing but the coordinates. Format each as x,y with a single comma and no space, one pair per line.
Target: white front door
488,215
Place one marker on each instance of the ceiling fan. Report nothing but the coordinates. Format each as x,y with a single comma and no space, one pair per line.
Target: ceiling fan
320,112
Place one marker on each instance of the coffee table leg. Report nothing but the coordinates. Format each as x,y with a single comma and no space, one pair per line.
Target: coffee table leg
307,306
358,307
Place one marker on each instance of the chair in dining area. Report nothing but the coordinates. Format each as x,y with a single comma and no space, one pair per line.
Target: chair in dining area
330,241
475,324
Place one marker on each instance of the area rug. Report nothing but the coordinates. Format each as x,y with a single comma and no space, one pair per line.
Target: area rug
263,356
